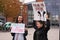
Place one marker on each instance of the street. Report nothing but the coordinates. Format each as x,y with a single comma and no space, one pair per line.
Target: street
53,34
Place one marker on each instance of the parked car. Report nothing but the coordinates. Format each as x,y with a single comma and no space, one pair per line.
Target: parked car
55,20
1,23
55,23
2,20
7,26
30,24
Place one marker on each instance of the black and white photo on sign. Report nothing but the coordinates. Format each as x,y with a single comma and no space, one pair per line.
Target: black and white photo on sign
39,11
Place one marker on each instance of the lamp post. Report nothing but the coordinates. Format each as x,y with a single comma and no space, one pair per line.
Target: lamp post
21,7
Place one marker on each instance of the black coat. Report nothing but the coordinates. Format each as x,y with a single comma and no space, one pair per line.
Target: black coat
40,34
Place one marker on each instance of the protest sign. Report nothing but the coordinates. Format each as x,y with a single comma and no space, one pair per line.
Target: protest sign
17,28
38,15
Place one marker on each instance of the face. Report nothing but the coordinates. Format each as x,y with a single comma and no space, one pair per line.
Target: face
39,25
20,19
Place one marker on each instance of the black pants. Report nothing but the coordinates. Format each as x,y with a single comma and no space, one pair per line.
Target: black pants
13,35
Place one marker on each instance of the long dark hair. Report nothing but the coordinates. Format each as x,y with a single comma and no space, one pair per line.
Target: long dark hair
17,19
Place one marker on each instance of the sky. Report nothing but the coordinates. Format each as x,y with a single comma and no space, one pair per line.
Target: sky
27,1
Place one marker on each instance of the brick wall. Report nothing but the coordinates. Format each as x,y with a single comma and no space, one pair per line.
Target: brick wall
39,0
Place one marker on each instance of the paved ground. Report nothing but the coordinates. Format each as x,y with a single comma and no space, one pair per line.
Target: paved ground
53,34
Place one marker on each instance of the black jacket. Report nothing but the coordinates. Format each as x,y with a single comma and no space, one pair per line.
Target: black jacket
40,34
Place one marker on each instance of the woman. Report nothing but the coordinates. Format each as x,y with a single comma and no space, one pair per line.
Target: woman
43,30
19,35
40,33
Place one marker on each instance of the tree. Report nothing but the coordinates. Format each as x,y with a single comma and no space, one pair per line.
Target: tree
11,7
1,6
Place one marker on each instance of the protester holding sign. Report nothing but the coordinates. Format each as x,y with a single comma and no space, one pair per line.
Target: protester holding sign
40,19
39,11
42,16
19,36
41,32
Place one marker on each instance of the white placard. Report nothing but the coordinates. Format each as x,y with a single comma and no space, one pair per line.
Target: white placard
36,7
17,28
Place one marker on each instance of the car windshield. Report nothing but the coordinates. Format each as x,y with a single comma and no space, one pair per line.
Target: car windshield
1,21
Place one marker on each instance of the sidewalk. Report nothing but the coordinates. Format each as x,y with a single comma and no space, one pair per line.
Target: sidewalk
53,34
